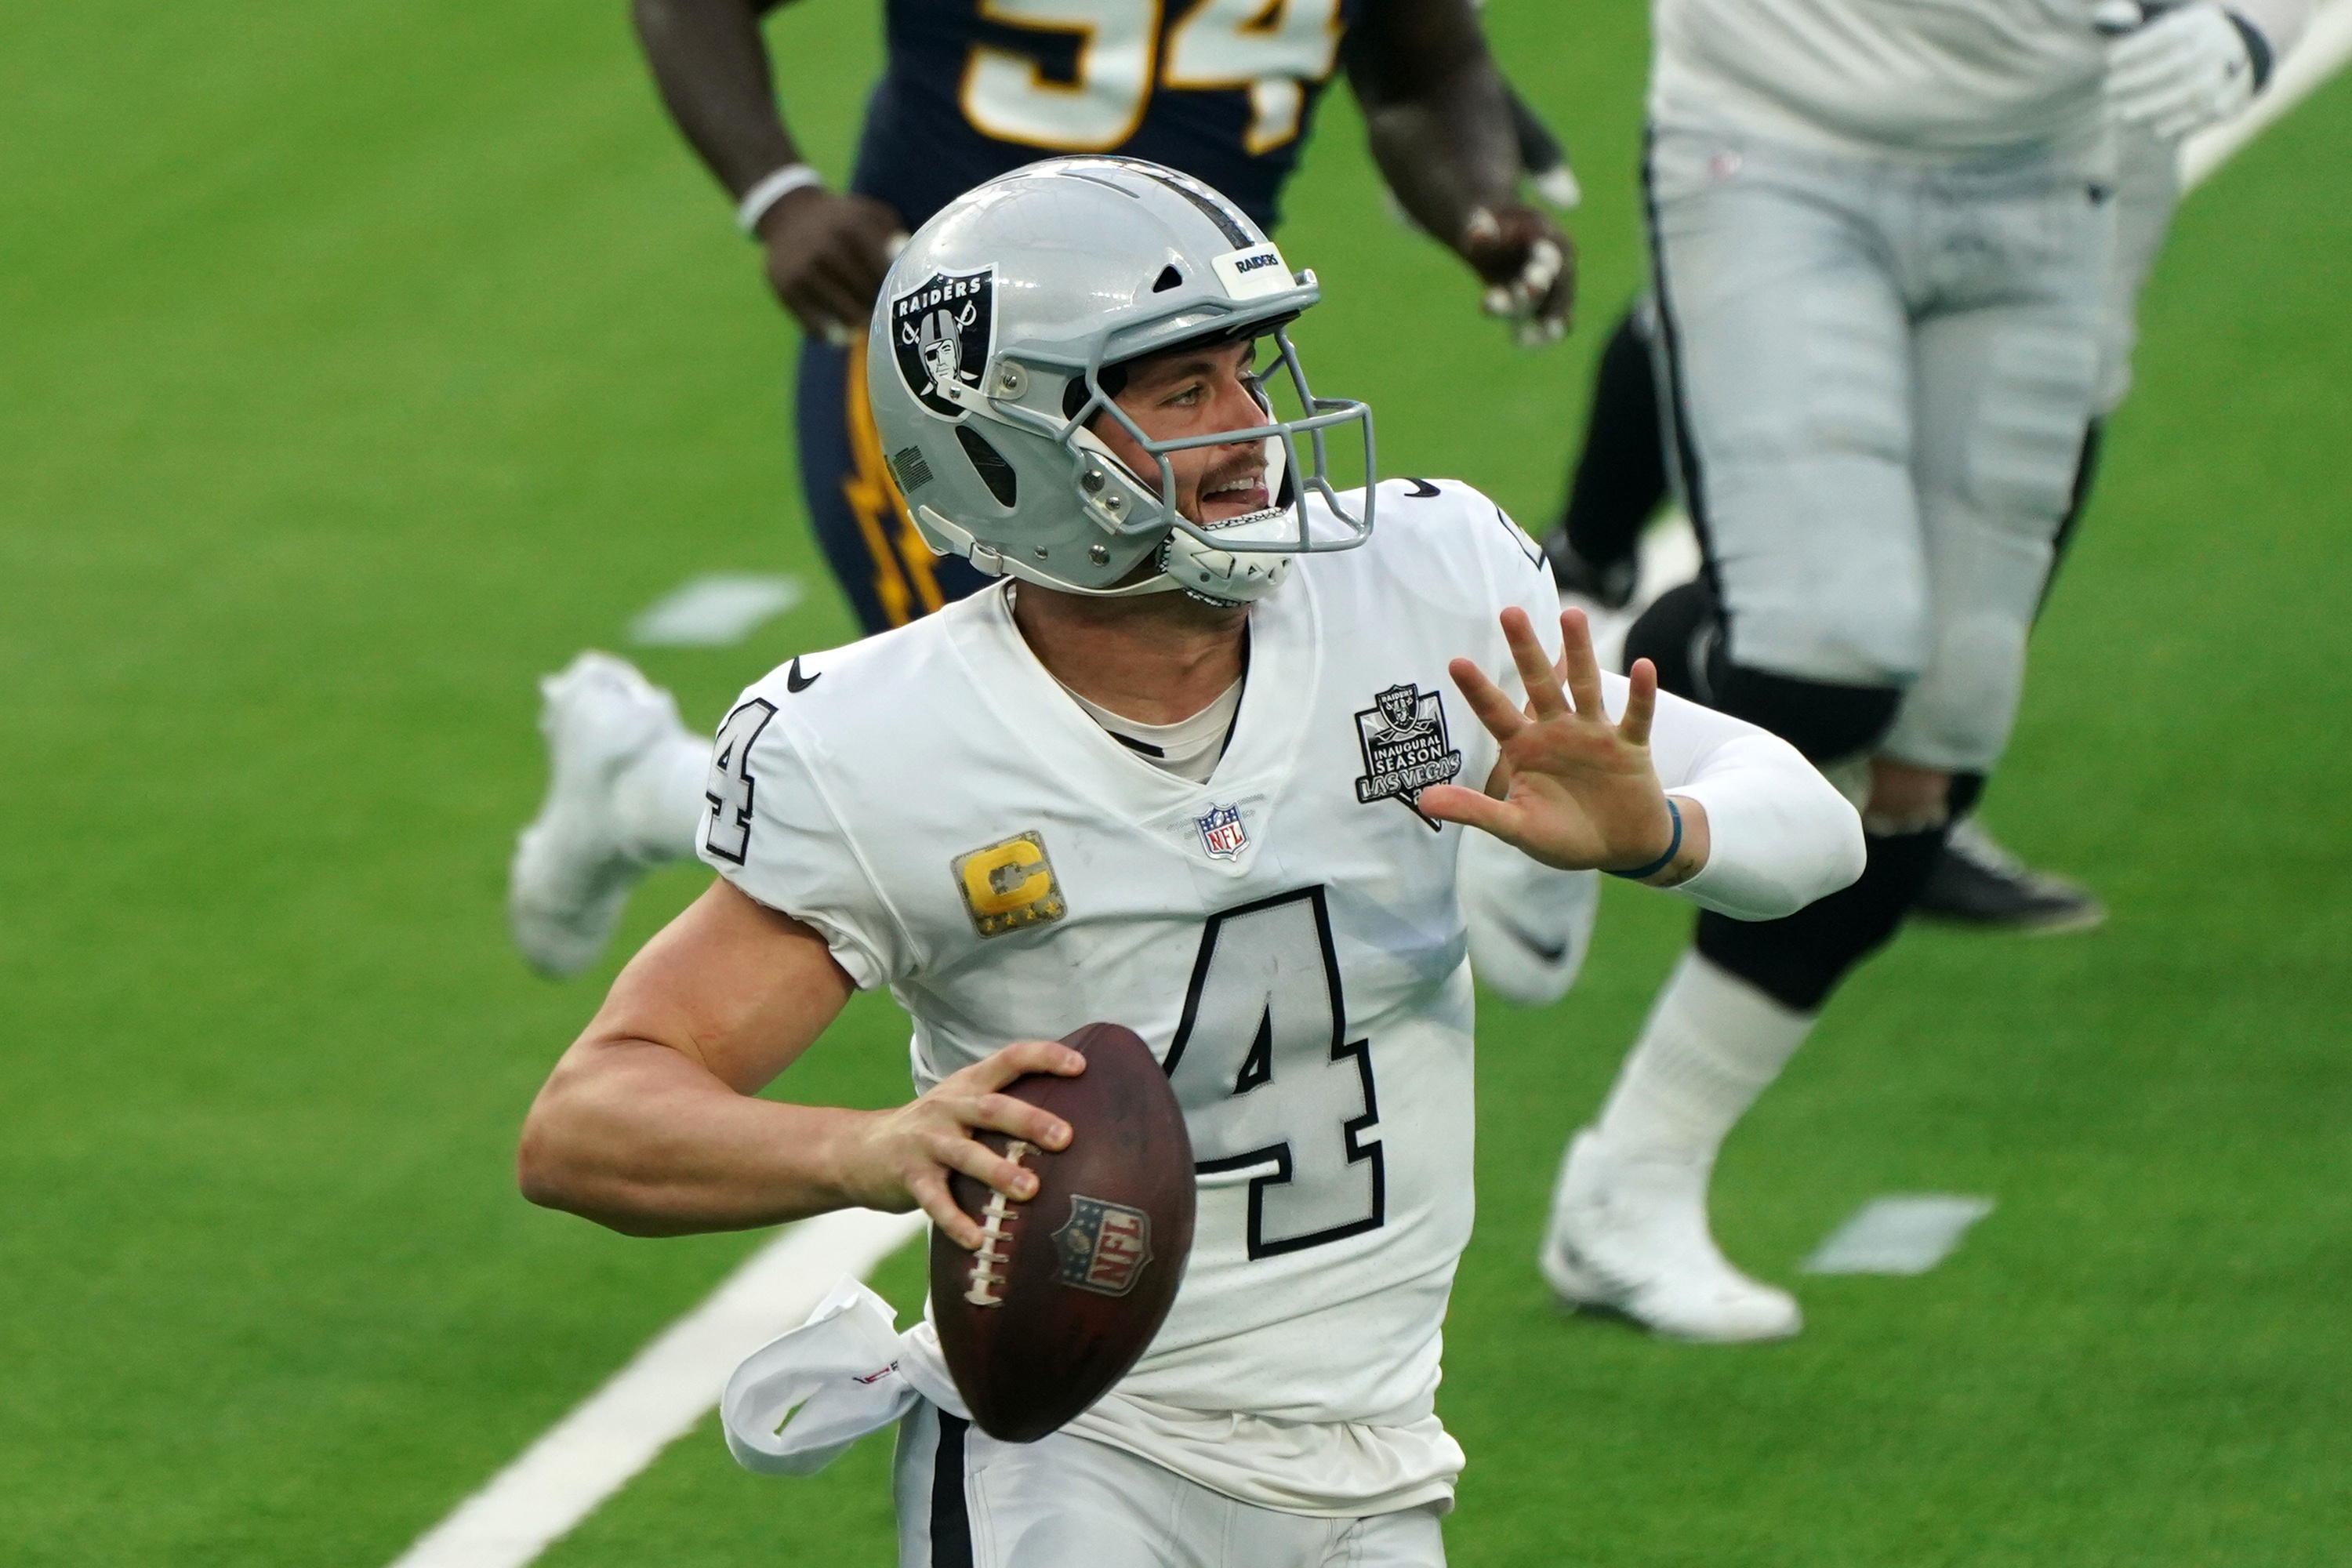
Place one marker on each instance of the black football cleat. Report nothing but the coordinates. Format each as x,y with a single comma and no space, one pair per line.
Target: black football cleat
1610,585
1978,883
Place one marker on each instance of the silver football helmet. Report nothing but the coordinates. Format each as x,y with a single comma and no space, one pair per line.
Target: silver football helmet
986,364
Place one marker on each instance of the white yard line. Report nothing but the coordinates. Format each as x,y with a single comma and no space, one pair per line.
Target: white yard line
1904,1233
656,1398
2323,52
714,610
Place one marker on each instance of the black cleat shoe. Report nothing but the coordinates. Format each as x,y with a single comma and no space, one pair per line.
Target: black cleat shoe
1978,883
1609,585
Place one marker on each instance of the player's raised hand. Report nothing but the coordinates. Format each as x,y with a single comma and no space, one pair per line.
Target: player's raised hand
1576,789
1528,265
901,1158
826,254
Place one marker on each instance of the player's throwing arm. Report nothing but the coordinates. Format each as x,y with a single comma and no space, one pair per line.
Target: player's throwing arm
650,1123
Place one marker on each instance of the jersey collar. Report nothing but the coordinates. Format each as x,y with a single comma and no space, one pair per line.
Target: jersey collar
1037,714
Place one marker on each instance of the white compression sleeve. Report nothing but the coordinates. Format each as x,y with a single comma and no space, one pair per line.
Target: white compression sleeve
1711,1044
1779,834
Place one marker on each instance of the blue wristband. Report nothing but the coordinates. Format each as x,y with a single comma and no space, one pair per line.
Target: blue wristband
1673,848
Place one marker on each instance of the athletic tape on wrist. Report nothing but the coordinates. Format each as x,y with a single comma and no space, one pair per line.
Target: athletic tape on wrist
772,189
1673,848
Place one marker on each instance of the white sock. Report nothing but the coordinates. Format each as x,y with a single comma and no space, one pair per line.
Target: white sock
1711,1043
658,802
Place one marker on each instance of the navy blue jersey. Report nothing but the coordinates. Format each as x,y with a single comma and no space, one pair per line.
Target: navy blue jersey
1223,89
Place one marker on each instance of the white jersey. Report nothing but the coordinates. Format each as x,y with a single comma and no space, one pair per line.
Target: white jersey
1914,80
1286,936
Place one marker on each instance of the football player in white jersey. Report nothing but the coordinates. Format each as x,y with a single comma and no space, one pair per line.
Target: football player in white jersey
1884,249
1224,91
2171,70
1199,765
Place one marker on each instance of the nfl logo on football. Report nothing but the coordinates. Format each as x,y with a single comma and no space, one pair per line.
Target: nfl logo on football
1221,833
1104,1246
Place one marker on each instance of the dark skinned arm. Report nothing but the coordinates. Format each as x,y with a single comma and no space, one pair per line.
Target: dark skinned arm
1439,117
826,252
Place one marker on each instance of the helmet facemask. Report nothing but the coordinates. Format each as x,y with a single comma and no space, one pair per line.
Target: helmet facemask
1233,559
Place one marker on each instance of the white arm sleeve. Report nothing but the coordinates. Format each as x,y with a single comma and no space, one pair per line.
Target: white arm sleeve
1780,834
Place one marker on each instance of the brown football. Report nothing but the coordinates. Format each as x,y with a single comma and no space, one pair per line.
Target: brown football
1070,1286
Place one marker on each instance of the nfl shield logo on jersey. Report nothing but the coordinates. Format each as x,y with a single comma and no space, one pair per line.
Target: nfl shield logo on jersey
1221,833
942,331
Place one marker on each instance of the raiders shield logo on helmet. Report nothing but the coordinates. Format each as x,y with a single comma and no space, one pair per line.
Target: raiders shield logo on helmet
942,332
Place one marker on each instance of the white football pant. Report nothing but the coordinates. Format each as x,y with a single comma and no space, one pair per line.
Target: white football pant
2148,189
967,1500
1883,372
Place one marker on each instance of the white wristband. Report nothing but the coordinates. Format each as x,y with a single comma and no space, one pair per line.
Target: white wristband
771,190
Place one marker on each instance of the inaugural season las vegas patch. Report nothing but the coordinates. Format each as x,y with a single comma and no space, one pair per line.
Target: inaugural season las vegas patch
1405,746
942,331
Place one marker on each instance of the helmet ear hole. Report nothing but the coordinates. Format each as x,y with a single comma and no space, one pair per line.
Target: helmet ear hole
1112,378
990,464
1169,278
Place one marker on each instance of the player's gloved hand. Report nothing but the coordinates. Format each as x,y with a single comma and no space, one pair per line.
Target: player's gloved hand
2180,72
900,1159
826,254
1576,791
1528,265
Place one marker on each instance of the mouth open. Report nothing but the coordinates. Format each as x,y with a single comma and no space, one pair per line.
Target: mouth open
1234,495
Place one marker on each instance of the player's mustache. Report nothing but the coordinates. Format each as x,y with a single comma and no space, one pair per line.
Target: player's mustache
1248,465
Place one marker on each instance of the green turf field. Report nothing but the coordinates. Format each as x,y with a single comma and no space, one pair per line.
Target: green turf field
363,361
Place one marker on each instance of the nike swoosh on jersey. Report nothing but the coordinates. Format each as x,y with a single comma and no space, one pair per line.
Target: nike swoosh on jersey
1551,953
795,682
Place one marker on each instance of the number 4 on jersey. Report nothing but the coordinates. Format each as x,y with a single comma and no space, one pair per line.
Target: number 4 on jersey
727,834
1269,1082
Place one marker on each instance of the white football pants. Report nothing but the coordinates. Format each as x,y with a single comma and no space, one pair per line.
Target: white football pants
1882,374
967,1500
2148,189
